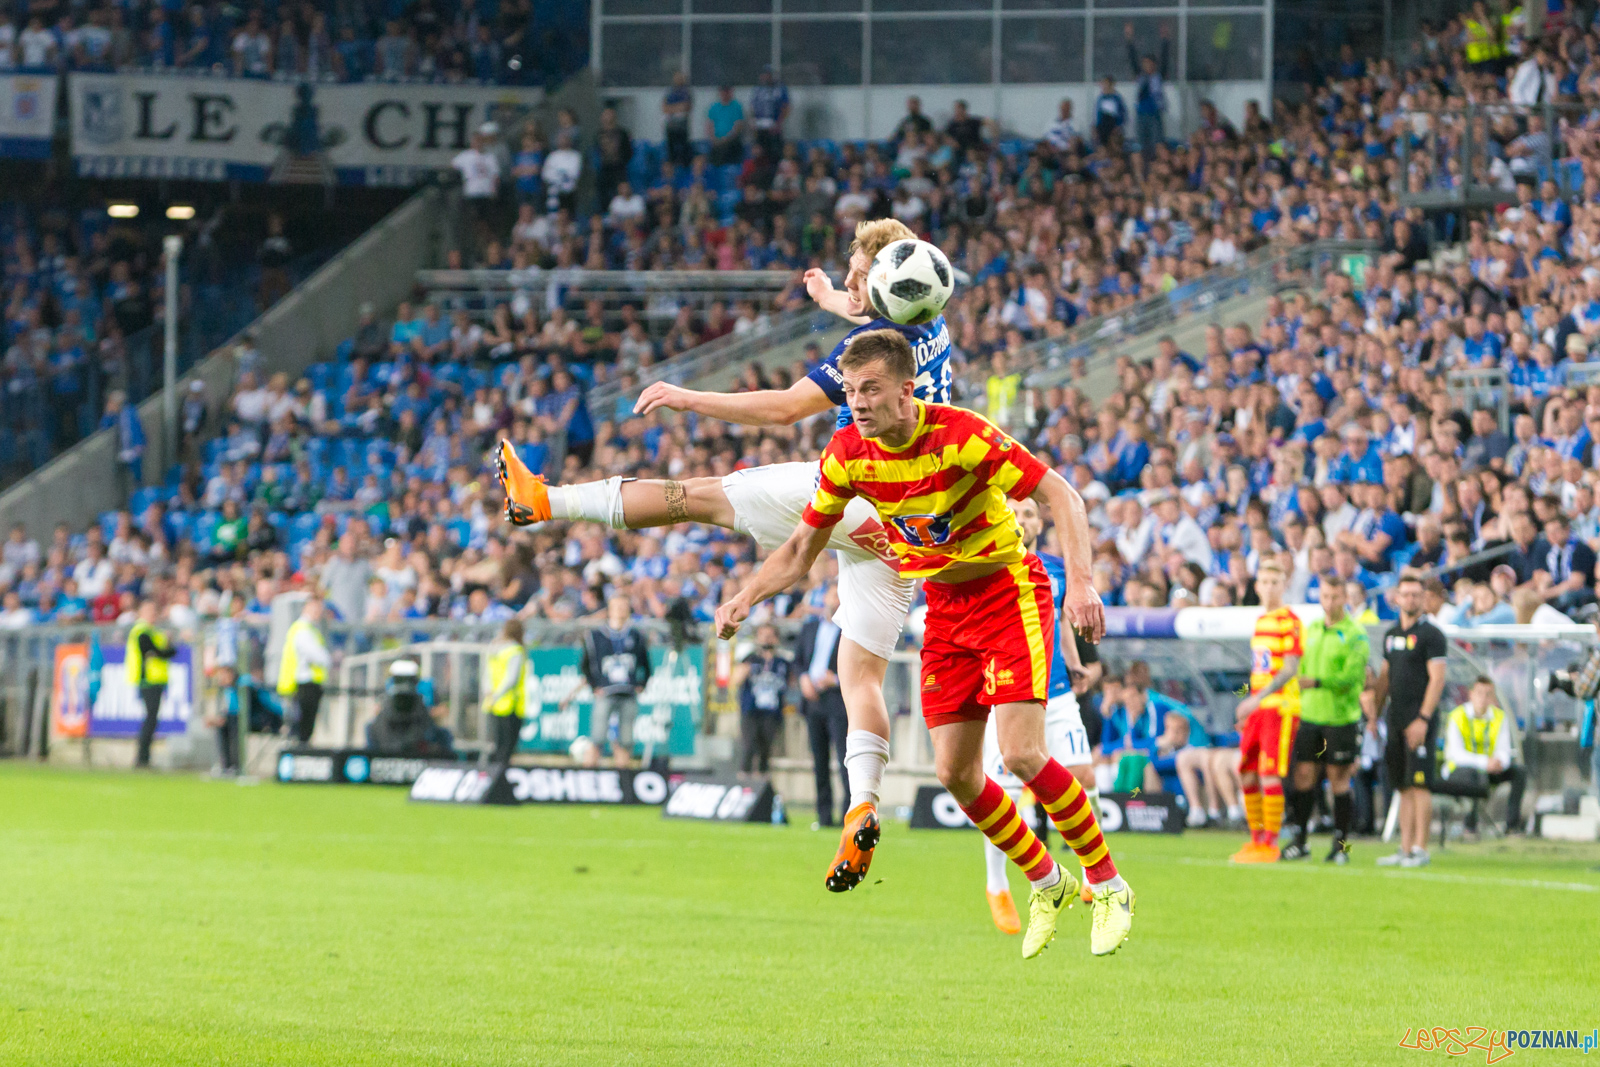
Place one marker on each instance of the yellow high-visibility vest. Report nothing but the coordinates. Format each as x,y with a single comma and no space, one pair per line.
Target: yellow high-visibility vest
1002,391
1478,735
140,671
289,665
1483,43
513,702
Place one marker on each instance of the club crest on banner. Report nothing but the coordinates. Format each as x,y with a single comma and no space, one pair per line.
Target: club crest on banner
100,119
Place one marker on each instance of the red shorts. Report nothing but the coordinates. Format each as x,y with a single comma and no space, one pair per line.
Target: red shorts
987,642
1265,741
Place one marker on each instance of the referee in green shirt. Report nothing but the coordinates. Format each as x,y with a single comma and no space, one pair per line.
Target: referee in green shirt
1333,672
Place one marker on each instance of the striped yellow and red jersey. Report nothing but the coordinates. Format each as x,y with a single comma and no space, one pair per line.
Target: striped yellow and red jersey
942,495
1278,634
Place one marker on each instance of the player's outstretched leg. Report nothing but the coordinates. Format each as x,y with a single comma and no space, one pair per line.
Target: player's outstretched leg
620,503
998,889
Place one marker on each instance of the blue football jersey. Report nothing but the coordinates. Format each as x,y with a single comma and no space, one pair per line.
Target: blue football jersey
930,343
1060,677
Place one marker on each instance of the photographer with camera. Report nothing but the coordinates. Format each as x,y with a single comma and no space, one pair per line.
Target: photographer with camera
1477,745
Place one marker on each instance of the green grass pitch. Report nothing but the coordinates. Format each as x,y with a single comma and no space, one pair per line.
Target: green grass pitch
173,920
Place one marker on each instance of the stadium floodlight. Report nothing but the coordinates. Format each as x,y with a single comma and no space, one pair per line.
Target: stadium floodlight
123,211
180,212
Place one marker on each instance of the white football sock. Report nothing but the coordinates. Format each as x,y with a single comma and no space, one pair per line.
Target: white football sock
1050,880
1235,812
1114,883
865,756
994,868
589,502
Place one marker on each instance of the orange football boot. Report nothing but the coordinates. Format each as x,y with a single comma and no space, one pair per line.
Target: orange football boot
1004,911
1246,854
860,837
1255,853
527,496
1085,892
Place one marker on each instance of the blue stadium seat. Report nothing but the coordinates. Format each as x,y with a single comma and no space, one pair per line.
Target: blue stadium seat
141,499
213,449
304,526
108,523
204,527
344,350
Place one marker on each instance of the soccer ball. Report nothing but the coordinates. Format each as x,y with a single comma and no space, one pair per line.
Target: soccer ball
582,751
910,282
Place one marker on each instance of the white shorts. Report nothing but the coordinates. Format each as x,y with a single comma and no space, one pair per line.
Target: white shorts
1064,738
873,599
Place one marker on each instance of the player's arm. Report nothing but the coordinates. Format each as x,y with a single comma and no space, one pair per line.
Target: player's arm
834,301
1081,608
1286,673
787,565
793,559
764,407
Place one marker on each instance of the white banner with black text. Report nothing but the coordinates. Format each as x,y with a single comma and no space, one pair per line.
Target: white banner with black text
217,129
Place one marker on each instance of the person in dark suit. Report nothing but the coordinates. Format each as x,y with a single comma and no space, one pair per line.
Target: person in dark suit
1568,566
817,661
1531,552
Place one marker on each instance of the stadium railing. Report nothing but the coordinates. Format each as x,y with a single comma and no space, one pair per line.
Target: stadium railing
1092,348
723,354
1448,156
1202,672
1094,344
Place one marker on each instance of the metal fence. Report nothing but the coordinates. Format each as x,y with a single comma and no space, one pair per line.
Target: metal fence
1474,156
658,295
1097,343
612,401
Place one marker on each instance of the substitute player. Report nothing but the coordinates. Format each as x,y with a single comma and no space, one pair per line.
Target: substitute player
939,477
766,503
1333,672
1268,716
1074,661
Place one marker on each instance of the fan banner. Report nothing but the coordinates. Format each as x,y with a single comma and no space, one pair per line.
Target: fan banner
94,699
27,115
230,129
669,707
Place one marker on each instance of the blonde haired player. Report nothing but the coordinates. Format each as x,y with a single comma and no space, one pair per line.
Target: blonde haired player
1074,667
1269,715
766,503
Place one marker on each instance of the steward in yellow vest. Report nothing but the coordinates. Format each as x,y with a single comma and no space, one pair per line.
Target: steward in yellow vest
1478,738
505,699
303,667
146,657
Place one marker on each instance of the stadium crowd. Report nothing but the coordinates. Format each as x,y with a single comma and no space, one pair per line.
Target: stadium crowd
494,41
1322,433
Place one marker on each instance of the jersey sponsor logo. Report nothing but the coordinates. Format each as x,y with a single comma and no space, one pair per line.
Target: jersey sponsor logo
1261,661
873,538
923,531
